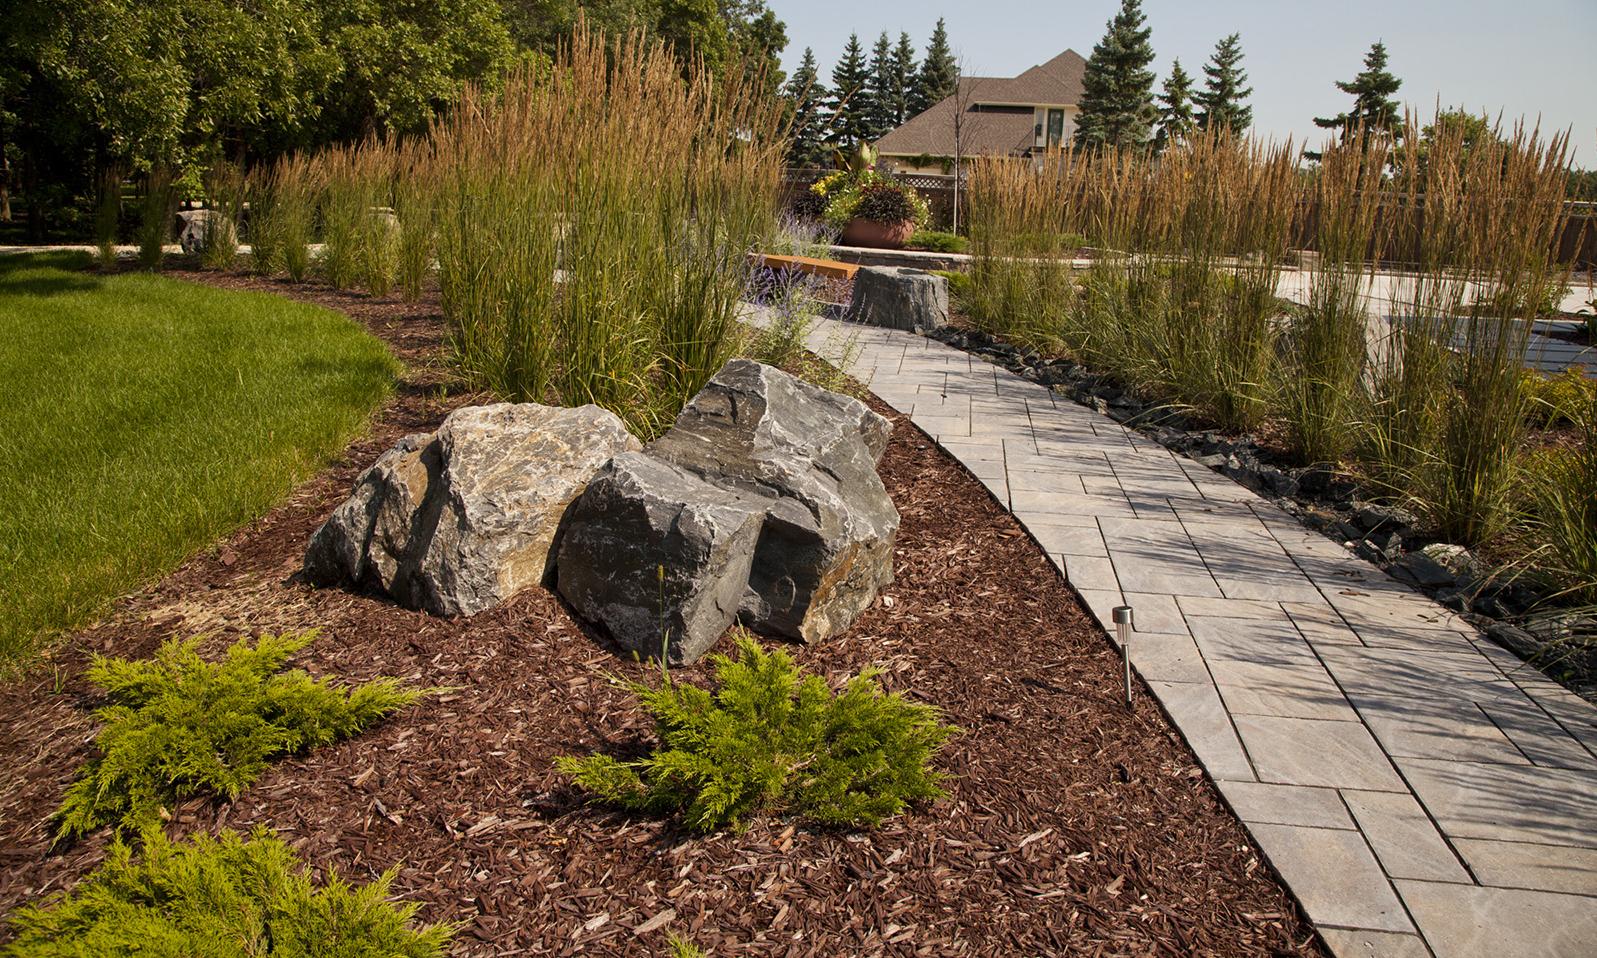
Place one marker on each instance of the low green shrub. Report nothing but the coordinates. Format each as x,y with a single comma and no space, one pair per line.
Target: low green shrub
178,726
772,740
1557,400
683,948
227,896
934,242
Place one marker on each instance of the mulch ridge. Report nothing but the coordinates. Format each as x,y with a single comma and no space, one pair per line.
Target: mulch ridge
1073,826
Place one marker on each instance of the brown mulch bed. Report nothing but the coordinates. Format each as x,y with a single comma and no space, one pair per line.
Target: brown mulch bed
1073,826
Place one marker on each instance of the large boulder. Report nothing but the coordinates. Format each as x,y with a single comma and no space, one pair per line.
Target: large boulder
899,298
195,228
810,457
658,556
461,520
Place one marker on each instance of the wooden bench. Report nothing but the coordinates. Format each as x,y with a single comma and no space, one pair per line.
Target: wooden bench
824,268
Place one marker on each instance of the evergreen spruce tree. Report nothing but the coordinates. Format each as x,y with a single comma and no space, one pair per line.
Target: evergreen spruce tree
1372,89
879,90
1117,90
848,103
903,79
1176,121
807,99
1222,103
939,73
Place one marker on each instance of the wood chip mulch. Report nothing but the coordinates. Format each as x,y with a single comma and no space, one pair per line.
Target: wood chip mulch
1073,826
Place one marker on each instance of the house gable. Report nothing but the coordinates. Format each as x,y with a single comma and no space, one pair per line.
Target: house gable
1002,116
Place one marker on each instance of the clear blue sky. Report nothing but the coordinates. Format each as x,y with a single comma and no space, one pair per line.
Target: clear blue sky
1518,57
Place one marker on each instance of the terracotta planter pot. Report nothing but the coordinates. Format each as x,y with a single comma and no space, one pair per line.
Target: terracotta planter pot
870,233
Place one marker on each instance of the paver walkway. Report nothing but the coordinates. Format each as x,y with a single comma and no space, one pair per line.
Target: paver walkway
1420,791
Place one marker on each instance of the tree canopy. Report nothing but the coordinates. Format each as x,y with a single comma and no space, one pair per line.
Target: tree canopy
1222,103
1176,119
1374,107
807,100
850,101
1117,89
879,93
938,75
90,85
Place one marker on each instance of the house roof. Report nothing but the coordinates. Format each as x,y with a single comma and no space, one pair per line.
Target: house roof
988,127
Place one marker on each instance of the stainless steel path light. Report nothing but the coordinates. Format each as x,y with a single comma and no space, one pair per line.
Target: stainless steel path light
1122,617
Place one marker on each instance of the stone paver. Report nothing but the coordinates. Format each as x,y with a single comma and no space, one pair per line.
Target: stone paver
1470,921
1336,879
1420,790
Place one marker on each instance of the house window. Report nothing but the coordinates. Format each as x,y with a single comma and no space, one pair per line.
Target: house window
1056,127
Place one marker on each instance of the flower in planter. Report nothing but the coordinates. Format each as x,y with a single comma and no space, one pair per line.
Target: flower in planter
878,199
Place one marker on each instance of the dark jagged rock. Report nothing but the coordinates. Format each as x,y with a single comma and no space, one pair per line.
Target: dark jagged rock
658,556
810,455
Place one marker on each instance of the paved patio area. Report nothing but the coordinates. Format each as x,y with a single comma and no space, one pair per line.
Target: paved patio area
1418,788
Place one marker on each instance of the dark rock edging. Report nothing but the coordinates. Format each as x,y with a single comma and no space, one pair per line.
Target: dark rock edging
1509,611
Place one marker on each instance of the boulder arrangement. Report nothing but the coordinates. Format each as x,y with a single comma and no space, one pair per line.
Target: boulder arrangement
457,521
898,297
761,503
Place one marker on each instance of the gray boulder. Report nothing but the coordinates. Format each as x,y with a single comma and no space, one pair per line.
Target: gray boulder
899,298
196,227
461,520
1369,516
658,556
809,456
1439,564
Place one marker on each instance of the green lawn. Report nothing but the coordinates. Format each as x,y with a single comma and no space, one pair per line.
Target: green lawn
144,418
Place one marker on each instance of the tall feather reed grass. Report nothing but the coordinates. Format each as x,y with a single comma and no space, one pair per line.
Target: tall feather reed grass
107,217
283,217
1180,301
225,194
360,232
1329,341
156,209
1180,298
594,222
590,222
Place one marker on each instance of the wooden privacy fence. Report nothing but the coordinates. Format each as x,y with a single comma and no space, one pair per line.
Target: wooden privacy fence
1577,246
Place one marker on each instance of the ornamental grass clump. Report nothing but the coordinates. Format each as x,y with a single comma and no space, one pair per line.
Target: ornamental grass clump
282,218
224,198
770,740
224,896
1481,220
107,217
155,216
1327,340
594,223
1179,300
1563,521
178,726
